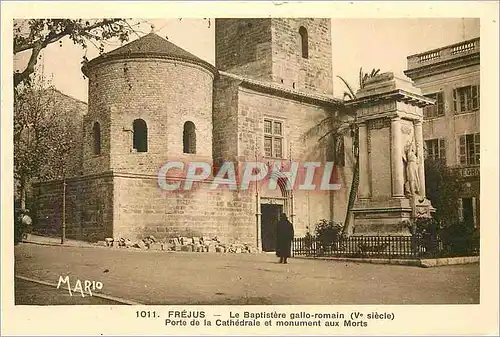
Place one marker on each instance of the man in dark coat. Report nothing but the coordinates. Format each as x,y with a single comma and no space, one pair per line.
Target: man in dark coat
284,237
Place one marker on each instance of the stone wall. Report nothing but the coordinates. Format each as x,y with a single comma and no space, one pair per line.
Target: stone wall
290,68
141,209
89,207
298,119
243,47
270,50
133,206
225,120
165,94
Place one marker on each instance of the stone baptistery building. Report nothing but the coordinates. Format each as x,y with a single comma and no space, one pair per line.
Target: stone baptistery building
151,102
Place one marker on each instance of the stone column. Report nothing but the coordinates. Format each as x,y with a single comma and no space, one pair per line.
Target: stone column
364,169
396,158
419,140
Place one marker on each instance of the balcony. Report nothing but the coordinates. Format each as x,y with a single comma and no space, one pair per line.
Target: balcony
447,53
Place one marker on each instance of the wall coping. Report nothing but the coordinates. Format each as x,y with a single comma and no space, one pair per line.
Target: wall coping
277,90
399,95
118,174
443,66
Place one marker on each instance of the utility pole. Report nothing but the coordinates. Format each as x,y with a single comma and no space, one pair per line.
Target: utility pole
63,229
63,232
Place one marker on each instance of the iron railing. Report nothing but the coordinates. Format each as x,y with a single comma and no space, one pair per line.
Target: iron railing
402,247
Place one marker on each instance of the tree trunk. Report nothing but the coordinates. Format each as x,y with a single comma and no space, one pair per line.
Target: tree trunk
353,193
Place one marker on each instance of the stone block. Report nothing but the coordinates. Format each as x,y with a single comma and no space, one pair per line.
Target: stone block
187,248
140,244
156,246
102,243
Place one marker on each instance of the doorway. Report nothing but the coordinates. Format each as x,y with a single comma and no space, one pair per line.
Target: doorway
470,208
467,211
270,217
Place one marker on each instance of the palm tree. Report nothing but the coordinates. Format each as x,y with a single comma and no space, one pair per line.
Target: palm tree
336,129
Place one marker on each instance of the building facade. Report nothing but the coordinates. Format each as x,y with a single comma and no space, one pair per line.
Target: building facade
451,76
151,102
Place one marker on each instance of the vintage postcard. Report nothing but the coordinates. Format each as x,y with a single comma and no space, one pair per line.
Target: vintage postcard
264,168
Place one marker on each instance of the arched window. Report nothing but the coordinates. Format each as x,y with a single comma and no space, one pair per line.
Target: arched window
140,135
304,42
96,132
189,138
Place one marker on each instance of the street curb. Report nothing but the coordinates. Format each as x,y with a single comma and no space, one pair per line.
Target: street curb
58,244
424,263
427,263
106,297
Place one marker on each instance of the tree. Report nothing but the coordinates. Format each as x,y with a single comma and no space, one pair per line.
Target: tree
443,185
42,136
35,34
334,128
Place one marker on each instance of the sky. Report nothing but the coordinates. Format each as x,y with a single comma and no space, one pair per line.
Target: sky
368,43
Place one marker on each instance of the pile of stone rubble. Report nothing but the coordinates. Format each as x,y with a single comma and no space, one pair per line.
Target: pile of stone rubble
183,244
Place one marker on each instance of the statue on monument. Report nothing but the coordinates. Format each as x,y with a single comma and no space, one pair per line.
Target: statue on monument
412,181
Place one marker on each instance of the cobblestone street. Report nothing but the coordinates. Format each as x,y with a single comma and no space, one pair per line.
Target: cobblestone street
209,278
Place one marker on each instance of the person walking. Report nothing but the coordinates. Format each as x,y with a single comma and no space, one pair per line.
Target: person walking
284,237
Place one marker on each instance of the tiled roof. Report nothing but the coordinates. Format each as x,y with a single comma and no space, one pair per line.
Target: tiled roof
154,46
282,91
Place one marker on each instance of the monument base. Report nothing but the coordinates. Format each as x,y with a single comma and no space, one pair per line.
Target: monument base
388,216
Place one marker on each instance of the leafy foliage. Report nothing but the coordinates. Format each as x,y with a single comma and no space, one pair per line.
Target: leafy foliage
443,188
460,239
36,34
43,138
328,232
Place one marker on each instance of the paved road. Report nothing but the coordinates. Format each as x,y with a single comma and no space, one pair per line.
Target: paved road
154,277
30,293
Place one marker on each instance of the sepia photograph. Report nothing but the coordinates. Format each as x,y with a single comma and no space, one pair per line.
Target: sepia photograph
247,161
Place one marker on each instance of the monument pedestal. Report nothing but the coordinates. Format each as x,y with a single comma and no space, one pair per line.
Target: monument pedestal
391,169
388,217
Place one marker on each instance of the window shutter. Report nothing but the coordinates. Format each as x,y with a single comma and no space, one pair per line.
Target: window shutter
477,149
427,113
475,97
468,97
462,152
455,100
478,96
442,149
440,107
460,209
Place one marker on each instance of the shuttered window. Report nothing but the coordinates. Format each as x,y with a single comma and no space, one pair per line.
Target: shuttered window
469,149
466,99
